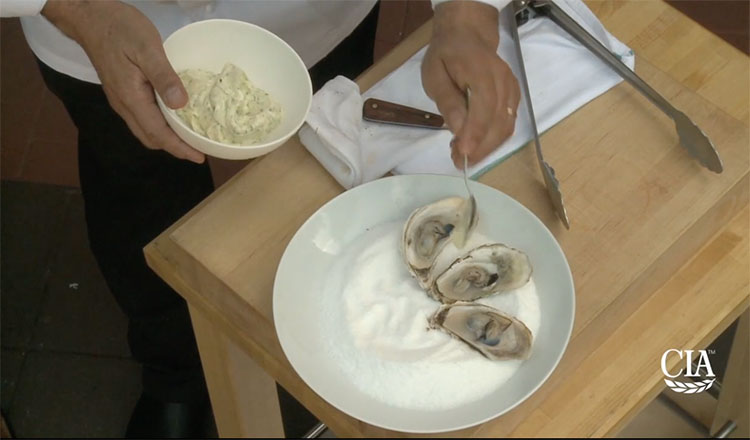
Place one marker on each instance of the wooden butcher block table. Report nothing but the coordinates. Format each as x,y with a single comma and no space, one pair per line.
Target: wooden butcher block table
658,245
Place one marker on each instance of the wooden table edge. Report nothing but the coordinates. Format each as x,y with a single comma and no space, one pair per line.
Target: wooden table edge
160,261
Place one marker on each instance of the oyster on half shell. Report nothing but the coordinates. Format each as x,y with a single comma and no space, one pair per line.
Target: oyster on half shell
491,332
428,230
485,271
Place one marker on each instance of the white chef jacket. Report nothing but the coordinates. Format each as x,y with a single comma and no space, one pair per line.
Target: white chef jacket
312,27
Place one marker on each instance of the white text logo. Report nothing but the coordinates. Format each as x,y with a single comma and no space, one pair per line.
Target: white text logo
690,370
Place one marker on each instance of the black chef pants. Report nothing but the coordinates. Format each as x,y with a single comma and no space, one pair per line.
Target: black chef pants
131,194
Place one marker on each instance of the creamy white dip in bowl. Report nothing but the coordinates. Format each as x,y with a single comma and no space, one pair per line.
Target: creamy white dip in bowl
270,64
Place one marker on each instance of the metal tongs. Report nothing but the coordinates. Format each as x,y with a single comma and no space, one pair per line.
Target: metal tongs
691,137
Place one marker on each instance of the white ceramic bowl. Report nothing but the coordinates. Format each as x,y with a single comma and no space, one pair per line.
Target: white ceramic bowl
305,271
269,62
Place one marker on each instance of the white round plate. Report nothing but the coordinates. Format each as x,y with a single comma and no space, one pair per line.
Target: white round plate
326,234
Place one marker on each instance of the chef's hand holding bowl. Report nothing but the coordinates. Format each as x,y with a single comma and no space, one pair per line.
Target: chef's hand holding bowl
269,63
127,52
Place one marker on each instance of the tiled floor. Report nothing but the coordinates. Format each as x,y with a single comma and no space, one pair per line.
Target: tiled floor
65,365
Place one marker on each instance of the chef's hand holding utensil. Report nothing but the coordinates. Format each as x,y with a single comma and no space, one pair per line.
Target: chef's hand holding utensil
463,55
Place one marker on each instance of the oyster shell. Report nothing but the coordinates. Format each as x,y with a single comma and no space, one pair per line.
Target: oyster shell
485,271
428,230
491,332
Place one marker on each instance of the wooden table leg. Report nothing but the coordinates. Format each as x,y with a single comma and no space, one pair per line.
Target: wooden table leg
734,405
243,396
4,430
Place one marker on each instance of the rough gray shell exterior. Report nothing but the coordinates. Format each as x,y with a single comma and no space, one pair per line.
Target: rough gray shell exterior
426,233
484,271
494,334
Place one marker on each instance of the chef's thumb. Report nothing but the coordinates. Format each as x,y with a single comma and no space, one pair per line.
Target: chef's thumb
164,79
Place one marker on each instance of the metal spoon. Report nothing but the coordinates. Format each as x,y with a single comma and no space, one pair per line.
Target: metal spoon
470,207
467,214
471,200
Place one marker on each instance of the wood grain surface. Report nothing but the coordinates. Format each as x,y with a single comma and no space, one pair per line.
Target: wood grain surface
658,245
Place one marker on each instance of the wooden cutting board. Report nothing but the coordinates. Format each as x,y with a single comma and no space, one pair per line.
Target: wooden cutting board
657,244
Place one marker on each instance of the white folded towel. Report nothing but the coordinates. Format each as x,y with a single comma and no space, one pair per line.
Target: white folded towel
562,75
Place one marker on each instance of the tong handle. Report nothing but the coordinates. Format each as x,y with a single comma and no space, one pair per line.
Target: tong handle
691,136
377,110
513,16
559,17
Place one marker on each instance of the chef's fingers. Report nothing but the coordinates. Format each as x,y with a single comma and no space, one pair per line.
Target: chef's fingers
154,64
515,95
121,108
456,157
162,137
450,100
482,103
136,129
149,125
503,121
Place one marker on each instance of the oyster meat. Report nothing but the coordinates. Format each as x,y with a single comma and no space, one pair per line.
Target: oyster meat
491,332
428,230
485,271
